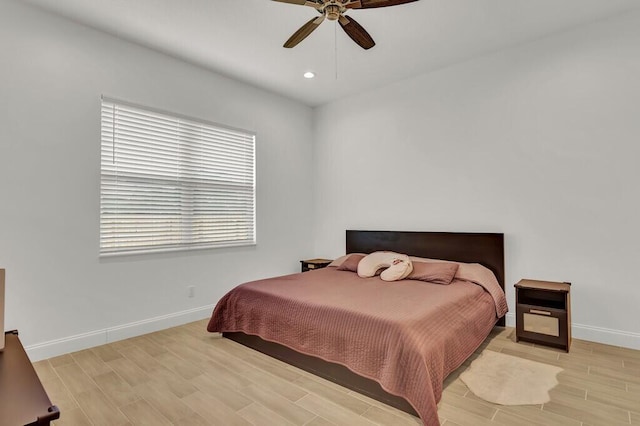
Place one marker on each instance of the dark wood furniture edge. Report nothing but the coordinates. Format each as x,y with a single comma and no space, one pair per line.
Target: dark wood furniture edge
331,371
484,248
529,283
53,412
548,344
305,264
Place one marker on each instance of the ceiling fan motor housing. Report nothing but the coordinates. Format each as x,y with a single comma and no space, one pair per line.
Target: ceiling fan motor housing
332,12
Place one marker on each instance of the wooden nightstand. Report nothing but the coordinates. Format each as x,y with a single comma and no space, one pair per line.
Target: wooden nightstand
311,264
543,313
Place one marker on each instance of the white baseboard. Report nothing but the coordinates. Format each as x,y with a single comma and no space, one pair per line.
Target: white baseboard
626,339
511,319
78,342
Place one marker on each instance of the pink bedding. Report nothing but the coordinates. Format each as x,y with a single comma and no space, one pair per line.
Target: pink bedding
407,335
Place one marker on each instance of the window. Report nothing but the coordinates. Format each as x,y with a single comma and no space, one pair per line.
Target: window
173,183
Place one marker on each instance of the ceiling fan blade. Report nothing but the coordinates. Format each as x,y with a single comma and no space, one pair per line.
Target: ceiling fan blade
303,32
356,32
369,4
301,2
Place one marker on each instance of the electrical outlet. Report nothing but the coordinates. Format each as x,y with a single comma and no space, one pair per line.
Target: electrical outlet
191,291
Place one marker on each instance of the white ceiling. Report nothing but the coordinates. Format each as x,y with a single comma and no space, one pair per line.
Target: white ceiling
243,38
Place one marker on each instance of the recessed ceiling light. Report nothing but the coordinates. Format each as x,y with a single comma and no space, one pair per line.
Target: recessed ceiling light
309,74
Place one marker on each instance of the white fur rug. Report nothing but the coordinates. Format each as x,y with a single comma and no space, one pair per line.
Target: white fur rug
509,380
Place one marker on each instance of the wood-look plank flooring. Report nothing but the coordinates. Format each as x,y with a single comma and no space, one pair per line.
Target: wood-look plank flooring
186,376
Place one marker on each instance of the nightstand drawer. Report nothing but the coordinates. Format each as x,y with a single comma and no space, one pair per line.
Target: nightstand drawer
311,264
547,325
534,322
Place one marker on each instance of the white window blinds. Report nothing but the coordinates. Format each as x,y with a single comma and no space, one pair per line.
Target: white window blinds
172,183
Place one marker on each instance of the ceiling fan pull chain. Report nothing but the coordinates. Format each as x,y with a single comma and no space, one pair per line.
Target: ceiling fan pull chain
335,43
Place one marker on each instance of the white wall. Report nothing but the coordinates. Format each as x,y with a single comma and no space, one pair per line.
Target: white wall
540,142
52,74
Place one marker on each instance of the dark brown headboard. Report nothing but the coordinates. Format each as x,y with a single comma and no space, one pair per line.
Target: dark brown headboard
486,249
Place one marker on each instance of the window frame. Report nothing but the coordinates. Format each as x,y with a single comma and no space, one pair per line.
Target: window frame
187,232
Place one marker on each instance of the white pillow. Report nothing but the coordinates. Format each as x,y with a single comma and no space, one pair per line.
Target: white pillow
398,266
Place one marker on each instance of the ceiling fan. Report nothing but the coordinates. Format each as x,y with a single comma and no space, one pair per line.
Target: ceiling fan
334,10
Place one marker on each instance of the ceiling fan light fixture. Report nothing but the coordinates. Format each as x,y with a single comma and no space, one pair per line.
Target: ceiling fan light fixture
309,74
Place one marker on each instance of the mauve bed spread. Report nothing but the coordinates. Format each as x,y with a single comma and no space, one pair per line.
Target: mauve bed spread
406,335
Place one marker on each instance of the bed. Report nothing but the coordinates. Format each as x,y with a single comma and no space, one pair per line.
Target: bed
389,349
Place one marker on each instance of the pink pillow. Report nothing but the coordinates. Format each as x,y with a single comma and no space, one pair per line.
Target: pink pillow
434,272
339,261
351,263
